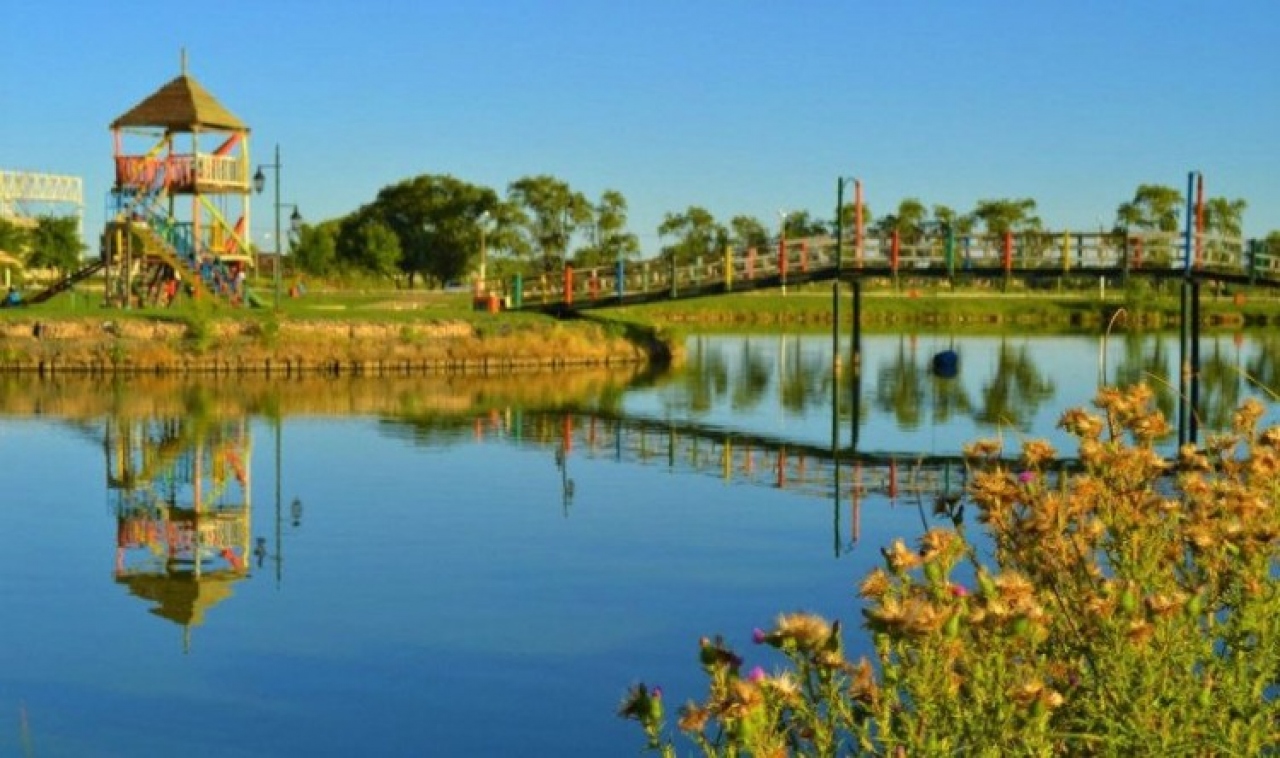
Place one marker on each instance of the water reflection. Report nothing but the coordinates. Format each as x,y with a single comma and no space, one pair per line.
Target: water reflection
180,492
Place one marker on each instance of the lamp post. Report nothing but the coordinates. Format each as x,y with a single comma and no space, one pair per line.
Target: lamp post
295,219
483,221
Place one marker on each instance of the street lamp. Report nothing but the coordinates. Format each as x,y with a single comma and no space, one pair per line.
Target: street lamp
483,221
295,219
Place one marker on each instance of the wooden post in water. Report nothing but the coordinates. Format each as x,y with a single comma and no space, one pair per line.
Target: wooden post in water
1184,372
1195,362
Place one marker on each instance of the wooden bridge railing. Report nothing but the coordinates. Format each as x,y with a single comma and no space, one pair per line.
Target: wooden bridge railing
1048,253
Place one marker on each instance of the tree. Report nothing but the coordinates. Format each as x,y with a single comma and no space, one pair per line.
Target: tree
800,224
436,221
1005,215
747,232
317,249
610,239
551,211
13,238
696,233
366,243
1154,209
907,221
55,243
1224,226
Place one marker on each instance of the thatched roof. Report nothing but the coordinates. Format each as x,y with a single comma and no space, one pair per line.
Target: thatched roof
181,105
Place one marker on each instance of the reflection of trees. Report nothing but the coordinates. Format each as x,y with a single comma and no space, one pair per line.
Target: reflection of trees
948,398
900,387
706,376
1264,368
1015,393
1221,387
806,381
753,378
1151,368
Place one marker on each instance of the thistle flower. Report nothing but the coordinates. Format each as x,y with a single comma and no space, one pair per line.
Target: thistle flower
805,631
900,558
714,654
693,718
642,704
1081,424
1036,453
876,585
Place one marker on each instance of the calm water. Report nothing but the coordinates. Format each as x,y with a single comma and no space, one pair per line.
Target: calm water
467,566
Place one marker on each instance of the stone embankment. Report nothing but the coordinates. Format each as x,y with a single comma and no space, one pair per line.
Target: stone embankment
85,345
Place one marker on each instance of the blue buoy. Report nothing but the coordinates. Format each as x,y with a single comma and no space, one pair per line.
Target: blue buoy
946,364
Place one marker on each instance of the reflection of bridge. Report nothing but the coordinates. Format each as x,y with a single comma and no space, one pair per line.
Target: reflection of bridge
735,457
891,258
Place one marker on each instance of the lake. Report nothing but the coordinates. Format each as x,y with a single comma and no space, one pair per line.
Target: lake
469,565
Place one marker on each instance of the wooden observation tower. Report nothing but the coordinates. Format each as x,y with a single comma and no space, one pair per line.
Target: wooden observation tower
180,200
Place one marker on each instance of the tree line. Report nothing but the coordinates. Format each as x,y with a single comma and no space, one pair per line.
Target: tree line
433,228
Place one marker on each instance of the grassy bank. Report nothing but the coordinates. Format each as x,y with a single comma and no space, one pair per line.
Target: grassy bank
384,332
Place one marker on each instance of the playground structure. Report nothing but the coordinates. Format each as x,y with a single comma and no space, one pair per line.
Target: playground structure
179,207
180,492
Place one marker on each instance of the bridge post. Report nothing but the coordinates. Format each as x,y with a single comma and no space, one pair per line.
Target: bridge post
1007,258
782,260
1189,226
951,254
1195,362
517,291
568,284
674,290
1252,252
619,278
728,268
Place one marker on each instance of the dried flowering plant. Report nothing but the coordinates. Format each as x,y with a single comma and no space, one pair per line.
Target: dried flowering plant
1129,605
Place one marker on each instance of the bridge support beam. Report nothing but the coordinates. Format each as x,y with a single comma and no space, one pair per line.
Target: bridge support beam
855,363
1189,359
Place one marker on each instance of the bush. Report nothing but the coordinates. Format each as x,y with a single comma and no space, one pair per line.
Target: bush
1130,606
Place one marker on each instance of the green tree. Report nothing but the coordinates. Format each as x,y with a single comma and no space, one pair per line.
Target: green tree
1005,215
801,224
610,239
436,221
55,243
316,251
365,243
13,238
747,232
1154,209
907,221
1224,227
696,234
550,212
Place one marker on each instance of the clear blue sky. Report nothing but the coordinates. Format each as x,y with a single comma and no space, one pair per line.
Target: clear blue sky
741,107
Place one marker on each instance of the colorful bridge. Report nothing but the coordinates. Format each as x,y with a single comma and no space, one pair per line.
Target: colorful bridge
893,259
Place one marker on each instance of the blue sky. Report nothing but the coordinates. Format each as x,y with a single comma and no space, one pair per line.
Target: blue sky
740,107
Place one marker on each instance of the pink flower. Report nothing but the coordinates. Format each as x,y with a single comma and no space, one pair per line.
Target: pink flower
1027,477
758,636
756,675
959,590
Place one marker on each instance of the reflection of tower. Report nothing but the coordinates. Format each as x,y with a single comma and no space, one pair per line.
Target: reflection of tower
180,492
